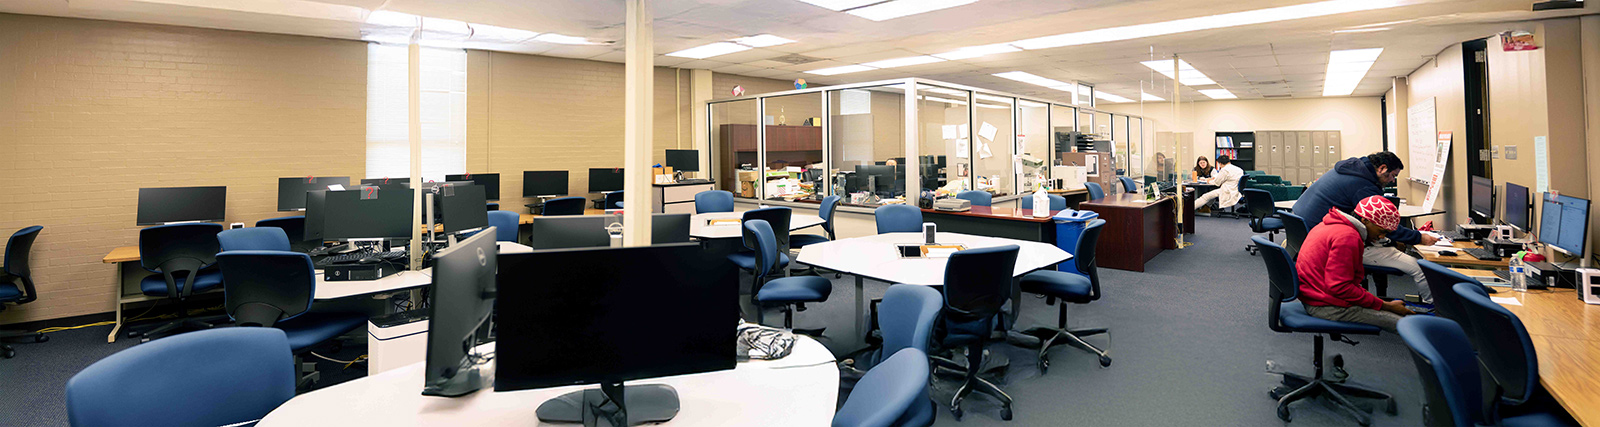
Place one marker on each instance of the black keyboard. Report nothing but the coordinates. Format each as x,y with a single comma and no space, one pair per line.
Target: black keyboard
353,258
330,250
1503,275
1454,236
401,318
1482,254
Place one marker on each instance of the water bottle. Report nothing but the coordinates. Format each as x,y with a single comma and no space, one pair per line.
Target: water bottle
1519,277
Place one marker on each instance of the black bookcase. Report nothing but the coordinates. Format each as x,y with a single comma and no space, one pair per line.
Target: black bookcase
1240,146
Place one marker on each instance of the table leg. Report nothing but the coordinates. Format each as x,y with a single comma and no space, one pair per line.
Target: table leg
111,338
861,308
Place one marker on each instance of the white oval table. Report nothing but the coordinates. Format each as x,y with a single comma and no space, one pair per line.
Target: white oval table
700,224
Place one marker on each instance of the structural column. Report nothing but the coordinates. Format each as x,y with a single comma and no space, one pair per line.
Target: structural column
638,76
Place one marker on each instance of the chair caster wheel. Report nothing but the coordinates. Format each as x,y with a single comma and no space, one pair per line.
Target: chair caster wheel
957,412
1392,408
1044,366
1277,393
134,334
1283,414
8,353
1105,361
41,338
1005,414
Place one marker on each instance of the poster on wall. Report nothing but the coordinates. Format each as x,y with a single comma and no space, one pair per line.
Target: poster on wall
1517,41
1422,131
1440,161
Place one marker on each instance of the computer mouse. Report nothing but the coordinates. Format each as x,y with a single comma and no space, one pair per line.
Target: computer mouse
371,259
1447,253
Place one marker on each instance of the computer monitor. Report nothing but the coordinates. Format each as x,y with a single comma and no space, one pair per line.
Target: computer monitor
292,191
180,204
605,179
683,160
461,208
1564,223
1481,200
489,181
573,316
376,181
430,185
669,228
368,213
544,183
316,210
1515,211
575,231
461,299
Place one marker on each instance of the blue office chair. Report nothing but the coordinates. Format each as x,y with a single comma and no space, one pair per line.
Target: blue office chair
1095,192
1069,288
1451,382
505,225
18,268
1379,277
786,291
254,239
613,200
1128,186
295,228
1294,230
829,205
888,392
572,205
1446,304
1286,315
182,258
1506,351
906,319
898,219
978,198
221,377
777,219
977,282
1056,202
275,289
1261,206
713,201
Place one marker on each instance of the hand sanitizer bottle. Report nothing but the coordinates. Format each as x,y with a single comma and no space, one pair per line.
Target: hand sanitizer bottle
1041,203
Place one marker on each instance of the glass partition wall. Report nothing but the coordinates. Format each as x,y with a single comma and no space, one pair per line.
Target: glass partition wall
854,141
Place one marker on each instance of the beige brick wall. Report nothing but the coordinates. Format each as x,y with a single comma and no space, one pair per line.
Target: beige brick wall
90,111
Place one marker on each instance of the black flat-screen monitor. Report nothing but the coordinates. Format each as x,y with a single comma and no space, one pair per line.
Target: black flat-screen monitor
605,179
489,181
1564,223
574,317
316,211
544,183
1515,211
292,191
461,208
461,299
570,231
668,228
1481,201
683,160
181,204
375,181
368,213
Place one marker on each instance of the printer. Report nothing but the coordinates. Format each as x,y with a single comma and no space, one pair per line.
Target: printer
952,205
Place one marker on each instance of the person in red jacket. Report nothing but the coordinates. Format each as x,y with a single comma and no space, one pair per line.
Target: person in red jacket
1332,284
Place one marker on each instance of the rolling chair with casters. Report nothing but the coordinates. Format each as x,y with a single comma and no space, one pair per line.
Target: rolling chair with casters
1294,231
713,201
1446,303
1056,202
1505,350
226,376
1452,384
826,211
295,228
572,205
978,198
977,282
777,219
182,256
613,200
18,269
1069,288
908,314
253,239
1095,192
505,225
1128,186
1286,315
898,219
1259,203
888,393
275,289
791,293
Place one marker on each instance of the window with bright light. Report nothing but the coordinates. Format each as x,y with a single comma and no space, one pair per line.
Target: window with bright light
444,112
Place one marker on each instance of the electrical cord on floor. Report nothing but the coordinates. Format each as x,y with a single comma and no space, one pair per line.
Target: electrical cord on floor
140,317
346,363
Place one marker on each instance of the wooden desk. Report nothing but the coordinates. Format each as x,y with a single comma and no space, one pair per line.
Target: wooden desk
1136,230
129,274
1566,335
1462,259
995,222
1074,197
526,219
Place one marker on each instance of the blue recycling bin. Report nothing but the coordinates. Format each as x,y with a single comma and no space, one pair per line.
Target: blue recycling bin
1069,227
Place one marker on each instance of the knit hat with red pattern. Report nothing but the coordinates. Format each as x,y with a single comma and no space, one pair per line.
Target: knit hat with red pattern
1378,210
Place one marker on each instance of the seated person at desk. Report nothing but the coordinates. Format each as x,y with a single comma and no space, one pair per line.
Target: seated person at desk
1332,283
1227,181
1355,179
1202,170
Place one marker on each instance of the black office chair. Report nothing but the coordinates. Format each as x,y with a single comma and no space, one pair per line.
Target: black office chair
1261,207
18,268
1294,230
1286,315
614,200
295,228
778,219
977,282
182,256
275,289
572,205
1069,288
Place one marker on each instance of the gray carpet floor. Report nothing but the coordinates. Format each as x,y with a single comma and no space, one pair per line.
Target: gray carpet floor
1189,340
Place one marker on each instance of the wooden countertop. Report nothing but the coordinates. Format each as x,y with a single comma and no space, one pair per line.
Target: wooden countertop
528,218
996,213
1066,192
1566,335
122,254
1462,258
1123,200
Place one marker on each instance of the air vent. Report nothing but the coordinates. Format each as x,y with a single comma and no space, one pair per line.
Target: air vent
796,59
1276,96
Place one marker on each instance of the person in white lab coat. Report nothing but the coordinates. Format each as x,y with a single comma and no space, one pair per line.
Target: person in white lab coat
1226,178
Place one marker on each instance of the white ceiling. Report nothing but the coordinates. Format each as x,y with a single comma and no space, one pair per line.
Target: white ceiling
1254,61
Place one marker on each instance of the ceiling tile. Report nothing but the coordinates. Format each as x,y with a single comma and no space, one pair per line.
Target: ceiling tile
1303,59
1253,61
735,69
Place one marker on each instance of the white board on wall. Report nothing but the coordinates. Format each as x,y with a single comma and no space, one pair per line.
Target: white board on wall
1422,134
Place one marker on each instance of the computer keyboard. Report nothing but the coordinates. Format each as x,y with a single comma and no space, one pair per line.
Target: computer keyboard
352,258
1480,253
1503,275
1454,236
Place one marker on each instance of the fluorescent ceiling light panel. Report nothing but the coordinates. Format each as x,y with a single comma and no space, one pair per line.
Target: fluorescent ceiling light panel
564,39
1346,68
898,8
1354,55
762,40
1035,80
1146,96
1190,76
1251,17
1217,93
446,27
710,50
976,51
902,62
295,8
1110,98
839,5
840,70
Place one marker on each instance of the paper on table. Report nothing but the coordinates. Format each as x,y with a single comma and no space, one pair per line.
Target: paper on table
949,131
336,187
1505,300
987,131
730,221
940,252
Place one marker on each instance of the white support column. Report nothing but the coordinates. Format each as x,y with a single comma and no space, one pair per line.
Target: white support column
699,94
913,147
639,79
1177,201
414,118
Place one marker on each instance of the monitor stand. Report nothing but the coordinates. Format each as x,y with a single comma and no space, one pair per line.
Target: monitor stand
612,405
465,382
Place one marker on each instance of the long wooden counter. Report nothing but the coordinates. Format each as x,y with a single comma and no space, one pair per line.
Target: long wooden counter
1566,335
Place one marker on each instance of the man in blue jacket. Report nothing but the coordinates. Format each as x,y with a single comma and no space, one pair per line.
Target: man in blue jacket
1352,180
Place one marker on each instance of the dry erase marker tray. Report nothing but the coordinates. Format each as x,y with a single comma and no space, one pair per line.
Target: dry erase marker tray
928,251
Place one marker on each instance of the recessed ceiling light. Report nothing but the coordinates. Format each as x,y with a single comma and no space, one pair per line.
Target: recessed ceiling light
840,70
902,62
1190,76
1030,78
564,39
976,51
710,50
762,40
1217,93
1354,55
1258,16
838,5
1346,68
1146,96
898,8
1110,98
490,33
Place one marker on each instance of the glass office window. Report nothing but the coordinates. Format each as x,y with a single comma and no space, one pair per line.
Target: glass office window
1106,144
1033,141
866,127
793,146
945,130
733,147
1063,126
994,140
1127,155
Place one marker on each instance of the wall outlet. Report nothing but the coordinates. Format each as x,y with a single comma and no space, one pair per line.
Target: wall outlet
1511,152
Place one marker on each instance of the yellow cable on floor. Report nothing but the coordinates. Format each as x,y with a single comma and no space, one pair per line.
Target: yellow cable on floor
138,318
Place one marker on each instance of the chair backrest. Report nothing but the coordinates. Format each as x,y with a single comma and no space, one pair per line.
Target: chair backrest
898,219
612,199
978,198
1056,202
776,217
713,201
1442,281
186,248
1451,384
505,225
223,376
572,205
18,253
1084,255
1259,202
1128,186
830,205
1285,281
977,282
254,239
1503,343
292,226
1295,227
906,317
261,288
886,392
759,232
1095,192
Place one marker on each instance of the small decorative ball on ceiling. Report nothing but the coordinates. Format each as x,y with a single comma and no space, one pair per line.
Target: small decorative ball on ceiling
738,91
800,83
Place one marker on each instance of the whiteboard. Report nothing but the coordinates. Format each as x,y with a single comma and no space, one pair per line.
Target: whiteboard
1422,133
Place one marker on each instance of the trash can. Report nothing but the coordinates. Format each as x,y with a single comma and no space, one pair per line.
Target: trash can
1069,227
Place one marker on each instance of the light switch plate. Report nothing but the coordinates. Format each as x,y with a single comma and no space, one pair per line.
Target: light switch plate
1511,152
